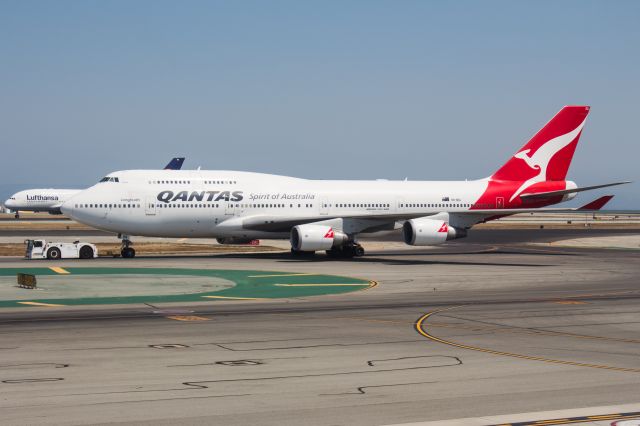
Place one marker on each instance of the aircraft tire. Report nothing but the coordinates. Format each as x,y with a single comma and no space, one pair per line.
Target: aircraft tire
128,253
348,252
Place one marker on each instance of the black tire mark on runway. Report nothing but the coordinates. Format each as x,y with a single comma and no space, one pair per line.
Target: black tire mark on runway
35,364
39,380
458,361
203,384
304,376
235,342
314,346
186,388
361,389
253,360
410,280
138,401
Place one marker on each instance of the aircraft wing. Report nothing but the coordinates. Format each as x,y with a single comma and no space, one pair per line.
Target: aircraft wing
272,223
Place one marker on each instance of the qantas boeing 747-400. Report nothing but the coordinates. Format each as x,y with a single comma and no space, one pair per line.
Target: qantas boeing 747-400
330,214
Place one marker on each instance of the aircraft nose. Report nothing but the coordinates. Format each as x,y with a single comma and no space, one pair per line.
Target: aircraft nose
9,204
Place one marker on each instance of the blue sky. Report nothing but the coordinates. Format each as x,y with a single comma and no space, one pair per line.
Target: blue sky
334,89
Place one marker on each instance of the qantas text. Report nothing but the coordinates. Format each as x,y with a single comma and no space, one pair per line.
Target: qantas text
168,196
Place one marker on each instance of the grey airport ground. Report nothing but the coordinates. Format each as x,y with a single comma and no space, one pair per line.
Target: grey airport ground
489,330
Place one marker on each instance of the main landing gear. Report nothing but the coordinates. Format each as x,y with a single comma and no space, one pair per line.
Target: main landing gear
346,251
127,252
302,254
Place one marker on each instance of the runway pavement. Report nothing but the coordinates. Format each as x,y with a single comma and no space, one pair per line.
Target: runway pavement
473,329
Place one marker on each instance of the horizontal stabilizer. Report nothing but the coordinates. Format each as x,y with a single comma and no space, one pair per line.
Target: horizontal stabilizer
550,194
597,204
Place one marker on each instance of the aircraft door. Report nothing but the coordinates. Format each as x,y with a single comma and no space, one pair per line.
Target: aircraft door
230,208
324,206
499,202
150,206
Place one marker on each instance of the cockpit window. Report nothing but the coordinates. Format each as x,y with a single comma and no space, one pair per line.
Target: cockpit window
109,179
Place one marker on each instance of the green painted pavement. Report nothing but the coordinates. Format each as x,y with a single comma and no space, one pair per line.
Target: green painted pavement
248,284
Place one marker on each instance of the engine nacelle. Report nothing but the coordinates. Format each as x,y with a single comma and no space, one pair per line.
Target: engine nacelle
234,240
315,237
429,232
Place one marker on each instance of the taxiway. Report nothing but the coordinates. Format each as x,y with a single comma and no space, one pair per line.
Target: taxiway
482,328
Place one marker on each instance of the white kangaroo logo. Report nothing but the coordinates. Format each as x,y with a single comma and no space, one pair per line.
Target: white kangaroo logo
541,158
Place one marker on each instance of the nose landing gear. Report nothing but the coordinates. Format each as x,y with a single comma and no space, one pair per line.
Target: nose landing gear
127,252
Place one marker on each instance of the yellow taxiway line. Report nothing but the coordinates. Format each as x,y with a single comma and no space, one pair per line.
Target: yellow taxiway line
49,305
321,285
59,270
233,298
420,328
280,275
187,318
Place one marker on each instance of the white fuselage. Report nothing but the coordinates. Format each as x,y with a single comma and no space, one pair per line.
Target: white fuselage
40,200
217,203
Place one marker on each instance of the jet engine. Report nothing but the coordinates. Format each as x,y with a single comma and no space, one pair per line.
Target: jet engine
315,237
429,232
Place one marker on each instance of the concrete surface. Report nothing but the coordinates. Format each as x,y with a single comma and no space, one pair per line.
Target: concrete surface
617,241
512,329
